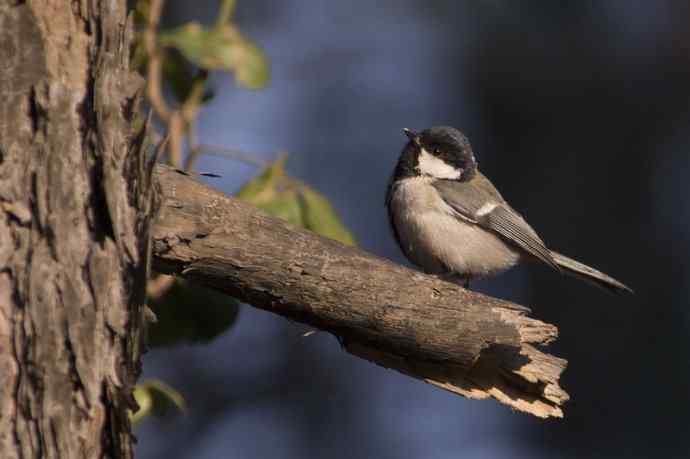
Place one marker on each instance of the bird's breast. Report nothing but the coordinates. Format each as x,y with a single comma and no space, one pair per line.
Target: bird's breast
437,239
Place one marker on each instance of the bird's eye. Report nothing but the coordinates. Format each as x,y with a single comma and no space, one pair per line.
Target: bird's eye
437,151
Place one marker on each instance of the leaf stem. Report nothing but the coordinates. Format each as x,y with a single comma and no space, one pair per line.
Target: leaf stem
232,153
155,62
227,8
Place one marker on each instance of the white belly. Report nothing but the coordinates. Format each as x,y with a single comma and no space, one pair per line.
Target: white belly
434,238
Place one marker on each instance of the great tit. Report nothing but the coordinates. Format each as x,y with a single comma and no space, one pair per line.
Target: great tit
450,220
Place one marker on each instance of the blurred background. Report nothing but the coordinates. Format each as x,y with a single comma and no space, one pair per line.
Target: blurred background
580,114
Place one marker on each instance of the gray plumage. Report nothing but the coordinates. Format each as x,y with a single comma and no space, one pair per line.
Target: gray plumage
448,218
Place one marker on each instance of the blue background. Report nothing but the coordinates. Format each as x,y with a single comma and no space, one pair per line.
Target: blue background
578,111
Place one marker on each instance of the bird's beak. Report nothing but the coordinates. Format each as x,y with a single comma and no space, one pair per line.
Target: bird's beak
413,136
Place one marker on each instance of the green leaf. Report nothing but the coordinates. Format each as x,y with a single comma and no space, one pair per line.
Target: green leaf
263,187
251,65
196,43
220,48
320,217
284,197
188,313
156,398
274,192
178,73
285,205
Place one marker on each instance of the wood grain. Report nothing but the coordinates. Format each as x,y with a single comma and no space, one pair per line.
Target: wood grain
74,219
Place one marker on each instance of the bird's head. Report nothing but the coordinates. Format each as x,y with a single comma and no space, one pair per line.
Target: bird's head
442,152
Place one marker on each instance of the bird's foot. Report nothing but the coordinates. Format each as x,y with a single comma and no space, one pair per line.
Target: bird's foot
462,281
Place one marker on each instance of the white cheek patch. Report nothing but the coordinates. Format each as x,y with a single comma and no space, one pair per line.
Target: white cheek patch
429,164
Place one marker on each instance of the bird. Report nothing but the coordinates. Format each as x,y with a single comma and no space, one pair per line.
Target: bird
451,221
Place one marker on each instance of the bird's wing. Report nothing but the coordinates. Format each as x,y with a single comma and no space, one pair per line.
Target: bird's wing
480,203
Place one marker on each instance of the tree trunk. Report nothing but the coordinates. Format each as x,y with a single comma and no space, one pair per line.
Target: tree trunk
73,229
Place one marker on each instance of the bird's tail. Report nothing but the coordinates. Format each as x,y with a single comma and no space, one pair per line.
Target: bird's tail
589,274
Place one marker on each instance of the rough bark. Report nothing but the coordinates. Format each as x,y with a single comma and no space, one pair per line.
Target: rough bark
73,230
433,330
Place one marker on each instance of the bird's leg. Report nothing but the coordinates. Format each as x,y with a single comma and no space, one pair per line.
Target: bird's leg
453,278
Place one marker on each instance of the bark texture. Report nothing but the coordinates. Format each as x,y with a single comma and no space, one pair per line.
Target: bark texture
433,330
73,229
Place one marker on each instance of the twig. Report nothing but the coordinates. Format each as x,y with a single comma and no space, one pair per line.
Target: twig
227,8
154,90
190,107
232,153
161,145
192,147
189,110
176,130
